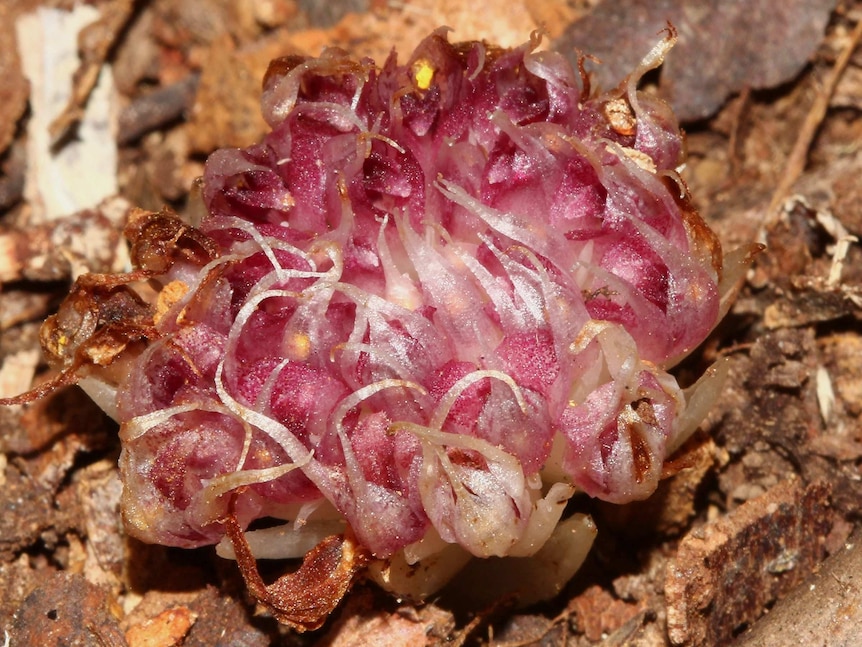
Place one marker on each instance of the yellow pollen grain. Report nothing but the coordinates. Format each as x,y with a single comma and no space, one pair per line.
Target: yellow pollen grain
263,456
298,347
423,72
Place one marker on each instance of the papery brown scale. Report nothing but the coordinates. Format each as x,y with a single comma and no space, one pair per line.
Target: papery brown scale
641,460
96,302
158,240
303,599
704,241
101,321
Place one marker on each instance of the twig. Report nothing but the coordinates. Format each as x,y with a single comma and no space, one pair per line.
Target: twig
154,110
796,161
733,145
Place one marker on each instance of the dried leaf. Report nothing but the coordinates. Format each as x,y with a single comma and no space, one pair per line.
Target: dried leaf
724,46
599,613
86,241
370,620
223,621
227,107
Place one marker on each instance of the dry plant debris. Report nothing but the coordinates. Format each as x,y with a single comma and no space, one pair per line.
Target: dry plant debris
724,573
724,46
787,429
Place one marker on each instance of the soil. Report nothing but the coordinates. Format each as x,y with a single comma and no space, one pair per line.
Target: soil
753,537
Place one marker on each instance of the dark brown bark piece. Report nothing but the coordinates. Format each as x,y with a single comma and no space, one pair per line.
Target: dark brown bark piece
222,621
67,611
727,572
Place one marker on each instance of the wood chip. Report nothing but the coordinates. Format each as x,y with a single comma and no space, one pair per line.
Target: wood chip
82,173
14,89
167,629
66,610
727,573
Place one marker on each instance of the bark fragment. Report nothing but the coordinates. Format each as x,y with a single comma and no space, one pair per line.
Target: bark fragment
726,572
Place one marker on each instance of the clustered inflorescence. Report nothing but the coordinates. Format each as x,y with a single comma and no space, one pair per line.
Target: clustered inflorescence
436,300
